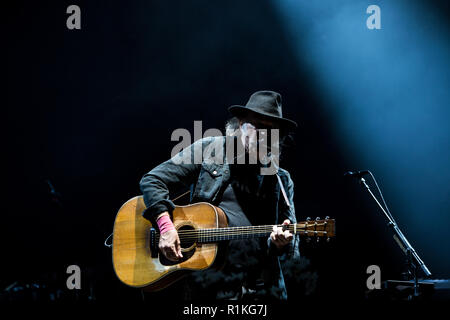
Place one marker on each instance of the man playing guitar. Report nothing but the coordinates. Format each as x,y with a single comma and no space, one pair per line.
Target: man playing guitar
246,196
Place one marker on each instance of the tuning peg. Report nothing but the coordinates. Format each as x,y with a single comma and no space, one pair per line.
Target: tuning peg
317,218
308,239
318,239
327,217
308,219
328,239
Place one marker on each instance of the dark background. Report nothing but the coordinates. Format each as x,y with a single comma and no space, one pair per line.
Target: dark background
92,110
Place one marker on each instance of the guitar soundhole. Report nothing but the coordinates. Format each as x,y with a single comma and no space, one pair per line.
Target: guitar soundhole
186,242
187,238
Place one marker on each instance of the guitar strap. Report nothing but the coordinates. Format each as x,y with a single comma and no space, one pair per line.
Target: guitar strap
283,191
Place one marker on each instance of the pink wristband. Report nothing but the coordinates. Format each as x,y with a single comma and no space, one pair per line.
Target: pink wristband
165,224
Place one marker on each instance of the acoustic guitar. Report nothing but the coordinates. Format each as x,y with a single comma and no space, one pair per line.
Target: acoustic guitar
203,231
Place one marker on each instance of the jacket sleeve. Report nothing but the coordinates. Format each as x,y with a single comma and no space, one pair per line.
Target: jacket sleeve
291,250
175,173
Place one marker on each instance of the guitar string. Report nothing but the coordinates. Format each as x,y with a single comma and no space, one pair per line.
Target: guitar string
212,239
232,231
215,239
207,236
242,230
249,228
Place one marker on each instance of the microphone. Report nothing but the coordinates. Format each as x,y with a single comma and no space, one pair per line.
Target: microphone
356,174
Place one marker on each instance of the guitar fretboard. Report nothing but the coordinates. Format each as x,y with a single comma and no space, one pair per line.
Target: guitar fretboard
308,228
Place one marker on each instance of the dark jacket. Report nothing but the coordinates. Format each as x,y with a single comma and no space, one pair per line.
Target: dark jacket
207,180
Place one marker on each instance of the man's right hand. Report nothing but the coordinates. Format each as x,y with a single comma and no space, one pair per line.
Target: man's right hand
169,245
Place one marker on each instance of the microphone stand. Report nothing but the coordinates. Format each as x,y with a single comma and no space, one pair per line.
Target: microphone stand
413,259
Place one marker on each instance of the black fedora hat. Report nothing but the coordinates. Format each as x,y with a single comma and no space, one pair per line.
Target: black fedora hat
264,103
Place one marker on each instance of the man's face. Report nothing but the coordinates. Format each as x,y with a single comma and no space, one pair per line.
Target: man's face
255,131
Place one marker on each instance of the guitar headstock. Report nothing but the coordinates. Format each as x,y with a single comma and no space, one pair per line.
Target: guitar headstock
317,228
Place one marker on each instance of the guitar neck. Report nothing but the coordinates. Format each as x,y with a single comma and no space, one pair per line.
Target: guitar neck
318,228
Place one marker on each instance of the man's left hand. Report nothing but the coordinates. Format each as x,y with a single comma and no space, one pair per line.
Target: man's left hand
279,237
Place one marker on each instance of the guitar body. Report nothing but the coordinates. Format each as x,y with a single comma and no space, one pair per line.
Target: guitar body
203,231
138,264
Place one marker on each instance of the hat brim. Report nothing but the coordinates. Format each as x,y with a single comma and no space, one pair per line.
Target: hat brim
238,111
